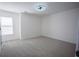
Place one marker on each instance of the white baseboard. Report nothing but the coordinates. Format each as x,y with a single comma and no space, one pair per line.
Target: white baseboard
57,39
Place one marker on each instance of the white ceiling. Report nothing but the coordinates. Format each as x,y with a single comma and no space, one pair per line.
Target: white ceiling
28,7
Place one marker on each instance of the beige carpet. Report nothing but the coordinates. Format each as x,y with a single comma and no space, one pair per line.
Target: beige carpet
37,47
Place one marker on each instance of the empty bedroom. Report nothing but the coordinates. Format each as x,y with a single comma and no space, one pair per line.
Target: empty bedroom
39,29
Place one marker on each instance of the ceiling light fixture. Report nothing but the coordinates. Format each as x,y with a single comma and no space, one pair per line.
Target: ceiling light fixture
40,7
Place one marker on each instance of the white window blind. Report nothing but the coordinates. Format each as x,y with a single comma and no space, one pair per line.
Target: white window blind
6,25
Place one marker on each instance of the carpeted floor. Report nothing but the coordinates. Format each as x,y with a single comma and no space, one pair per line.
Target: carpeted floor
37,47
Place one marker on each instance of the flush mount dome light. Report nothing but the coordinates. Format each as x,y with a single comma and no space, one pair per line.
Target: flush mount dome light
40,7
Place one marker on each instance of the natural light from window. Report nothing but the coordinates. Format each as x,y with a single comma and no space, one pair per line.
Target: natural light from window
6,25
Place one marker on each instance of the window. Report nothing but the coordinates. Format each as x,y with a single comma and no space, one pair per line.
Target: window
6,25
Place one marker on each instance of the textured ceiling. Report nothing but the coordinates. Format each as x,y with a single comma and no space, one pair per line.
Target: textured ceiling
28,7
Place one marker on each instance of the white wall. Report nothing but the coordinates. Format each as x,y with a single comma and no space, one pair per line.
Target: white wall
78,32
15,17
77,41
61,26
0,41
30,25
